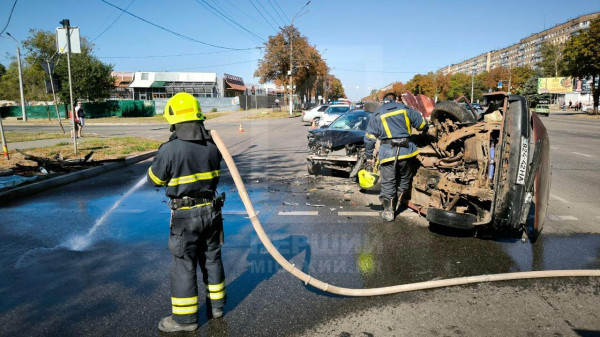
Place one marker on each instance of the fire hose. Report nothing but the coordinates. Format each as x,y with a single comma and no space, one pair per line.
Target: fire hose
309,280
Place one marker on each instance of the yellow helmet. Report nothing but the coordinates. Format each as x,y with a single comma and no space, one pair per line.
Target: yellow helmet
367,179
183,107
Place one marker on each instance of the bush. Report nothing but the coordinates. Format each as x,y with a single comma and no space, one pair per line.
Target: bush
213,110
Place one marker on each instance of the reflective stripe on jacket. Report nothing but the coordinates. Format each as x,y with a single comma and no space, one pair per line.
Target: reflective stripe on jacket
393,120
186,168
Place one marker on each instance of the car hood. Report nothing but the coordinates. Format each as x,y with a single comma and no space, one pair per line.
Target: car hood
335,139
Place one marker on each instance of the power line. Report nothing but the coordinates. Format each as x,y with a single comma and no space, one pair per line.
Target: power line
266,11
172,32
212,11
276,12
231,20
117,19
259,12
214,65
381,71
282,12
9,16
168,55
245,14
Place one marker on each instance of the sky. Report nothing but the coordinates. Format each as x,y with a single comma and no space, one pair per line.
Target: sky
368,44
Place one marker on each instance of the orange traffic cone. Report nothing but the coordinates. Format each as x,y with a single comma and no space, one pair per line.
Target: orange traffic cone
314,125
241,129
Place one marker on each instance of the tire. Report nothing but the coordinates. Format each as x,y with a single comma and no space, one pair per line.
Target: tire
452,110
451,219
313,169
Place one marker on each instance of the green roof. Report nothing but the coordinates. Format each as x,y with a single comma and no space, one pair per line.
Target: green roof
157,84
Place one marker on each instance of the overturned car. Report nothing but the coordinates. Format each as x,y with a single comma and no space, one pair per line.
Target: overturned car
485,169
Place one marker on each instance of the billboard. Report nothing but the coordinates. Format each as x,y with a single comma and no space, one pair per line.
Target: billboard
555,85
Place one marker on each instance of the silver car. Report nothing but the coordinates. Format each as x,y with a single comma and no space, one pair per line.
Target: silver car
314,113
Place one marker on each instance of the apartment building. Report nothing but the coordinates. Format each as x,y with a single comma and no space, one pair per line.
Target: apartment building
527,52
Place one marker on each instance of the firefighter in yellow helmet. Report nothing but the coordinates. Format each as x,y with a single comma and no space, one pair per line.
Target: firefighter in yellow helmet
189,166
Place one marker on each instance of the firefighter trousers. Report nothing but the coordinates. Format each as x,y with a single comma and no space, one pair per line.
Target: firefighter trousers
195,239
395,180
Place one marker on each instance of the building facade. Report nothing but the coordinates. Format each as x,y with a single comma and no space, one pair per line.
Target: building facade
151,85
527,52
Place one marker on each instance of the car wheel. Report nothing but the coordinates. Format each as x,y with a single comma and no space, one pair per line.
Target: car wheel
450,109
313,169
451,219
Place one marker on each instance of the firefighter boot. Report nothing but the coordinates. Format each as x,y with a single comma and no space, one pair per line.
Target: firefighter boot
168,324
388,213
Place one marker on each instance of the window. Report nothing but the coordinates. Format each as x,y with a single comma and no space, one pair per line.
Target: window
145,76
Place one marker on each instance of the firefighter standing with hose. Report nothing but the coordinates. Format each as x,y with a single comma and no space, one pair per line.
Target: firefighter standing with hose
392,124
189,166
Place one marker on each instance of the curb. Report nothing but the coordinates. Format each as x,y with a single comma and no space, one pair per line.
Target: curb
70,177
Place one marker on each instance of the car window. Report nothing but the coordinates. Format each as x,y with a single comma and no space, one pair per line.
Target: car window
337,110
351,121
323,108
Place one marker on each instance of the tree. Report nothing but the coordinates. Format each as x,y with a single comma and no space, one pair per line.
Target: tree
495,75
552,62
92,78
2,70
309,69
582,58
530,89
460,85
519,76
422,85
336,90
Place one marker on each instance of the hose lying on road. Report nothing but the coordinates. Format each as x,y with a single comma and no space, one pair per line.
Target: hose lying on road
307,279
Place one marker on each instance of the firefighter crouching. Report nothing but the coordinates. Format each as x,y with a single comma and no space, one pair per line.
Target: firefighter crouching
189,166
392,124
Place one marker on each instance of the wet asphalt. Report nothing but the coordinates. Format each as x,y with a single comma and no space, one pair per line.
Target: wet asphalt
56,280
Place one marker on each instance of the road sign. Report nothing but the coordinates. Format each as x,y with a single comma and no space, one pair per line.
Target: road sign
500,85
61,40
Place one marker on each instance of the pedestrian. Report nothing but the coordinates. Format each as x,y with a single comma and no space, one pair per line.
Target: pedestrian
576,105
392,124
570,104
74,133
189,166
580,106
81,117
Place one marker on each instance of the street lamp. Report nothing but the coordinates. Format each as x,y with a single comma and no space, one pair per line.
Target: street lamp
20,76
291,40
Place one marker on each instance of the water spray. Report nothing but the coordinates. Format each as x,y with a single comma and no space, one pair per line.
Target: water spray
309,280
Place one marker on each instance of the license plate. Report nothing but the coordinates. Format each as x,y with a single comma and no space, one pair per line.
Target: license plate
523,160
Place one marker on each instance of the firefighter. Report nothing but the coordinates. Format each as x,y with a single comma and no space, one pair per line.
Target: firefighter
392,124
189,166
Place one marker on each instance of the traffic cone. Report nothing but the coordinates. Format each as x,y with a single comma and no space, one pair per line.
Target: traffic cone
313,125
240,129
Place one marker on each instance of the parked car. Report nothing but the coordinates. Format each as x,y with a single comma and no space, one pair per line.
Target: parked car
587,108
314,113
339,146
487,171
542,109
333,112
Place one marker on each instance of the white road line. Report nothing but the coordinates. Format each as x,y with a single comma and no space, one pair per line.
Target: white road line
562,218
553,148
559,198
240,212
583,154
358,213
299,213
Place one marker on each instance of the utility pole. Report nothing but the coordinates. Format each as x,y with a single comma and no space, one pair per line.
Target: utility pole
472,84
66,25
20,77
4,148
291,42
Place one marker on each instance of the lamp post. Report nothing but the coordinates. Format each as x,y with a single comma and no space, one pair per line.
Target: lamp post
66,24
20,77
472,84
291,41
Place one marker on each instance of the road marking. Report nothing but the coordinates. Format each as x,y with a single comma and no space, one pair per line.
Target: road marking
583,154
127,210
358,213
559,198
553,148
299,213
562,218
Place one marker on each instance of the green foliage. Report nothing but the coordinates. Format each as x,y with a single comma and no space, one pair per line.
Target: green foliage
422,85
92,79
552,63
530,87
214,110
336,90
582,57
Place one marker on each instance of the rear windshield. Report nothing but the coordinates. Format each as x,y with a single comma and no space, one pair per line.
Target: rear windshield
337,110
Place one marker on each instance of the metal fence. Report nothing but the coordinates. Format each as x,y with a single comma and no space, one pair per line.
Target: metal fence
207,104
123,108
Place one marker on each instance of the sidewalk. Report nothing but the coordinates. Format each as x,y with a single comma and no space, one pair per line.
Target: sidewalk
42,143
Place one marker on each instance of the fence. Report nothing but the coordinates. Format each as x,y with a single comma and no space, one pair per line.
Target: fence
206,103
259,102
124,108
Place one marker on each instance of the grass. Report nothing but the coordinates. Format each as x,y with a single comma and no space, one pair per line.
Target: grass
158,119
15,136
104,148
